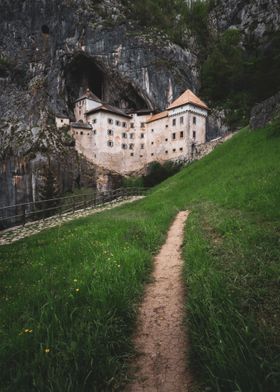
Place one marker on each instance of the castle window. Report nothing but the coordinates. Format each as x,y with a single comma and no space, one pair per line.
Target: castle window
61,121
174,121
131,125
174,149
152,130
166,140
118,122
142,146
181,120
181,134
110,143
181,148
173,136
166,152
82,133
152,143
142,125
94,121
110,132
131,154
152,154
94,132
131,146
166,126
194,120
124,124
131,135
124,135
194,134
110,121
141,156
142,135
124,146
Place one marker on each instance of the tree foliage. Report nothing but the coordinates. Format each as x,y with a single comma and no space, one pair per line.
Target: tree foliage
235,78
173,17
48,193
159,172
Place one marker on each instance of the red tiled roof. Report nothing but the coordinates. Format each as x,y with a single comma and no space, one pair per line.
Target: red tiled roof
108,108
157,116
188,97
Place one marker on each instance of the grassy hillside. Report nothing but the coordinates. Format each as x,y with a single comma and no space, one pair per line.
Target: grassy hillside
69,294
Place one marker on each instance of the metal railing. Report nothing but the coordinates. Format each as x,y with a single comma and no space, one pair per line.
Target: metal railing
20,214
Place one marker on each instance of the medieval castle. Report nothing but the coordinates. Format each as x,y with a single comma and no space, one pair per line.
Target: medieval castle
125,142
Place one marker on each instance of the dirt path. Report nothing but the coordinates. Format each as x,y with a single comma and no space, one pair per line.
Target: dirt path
160,336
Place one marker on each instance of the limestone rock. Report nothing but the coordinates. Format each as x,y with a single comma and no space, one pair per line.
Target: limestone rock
265,111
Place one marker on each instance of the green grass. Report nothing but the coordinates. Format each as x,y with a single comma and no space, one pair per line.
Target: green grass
76,287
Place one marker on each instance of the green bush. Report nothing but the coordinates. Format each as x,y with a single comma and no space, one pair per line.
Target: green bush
236,79
132,182
159,172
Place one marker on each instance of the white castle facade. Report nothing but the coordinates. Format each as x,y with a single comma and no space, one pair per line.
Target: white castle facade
125,143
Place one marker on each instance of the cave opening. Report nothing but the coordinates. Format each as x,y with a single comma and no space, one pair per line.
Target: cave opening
83,73
45,29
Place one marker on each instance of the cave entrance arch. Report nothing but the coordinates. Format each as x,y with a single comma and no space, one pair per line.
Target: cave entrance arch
83,73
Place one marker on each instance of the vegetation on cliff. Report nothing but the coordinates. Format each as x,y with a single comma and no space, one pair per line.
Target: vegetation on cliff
235,78
69,294
235,71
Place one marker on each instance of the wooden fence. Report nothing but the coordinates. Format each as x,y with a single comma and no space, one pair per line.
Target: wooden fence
20,214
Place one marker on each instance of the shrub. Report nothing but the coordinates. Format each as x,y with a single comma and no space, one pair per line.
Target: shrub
158,173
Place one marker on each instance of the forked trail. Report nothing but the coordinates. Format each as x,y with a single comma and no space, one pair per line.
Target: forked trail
161,336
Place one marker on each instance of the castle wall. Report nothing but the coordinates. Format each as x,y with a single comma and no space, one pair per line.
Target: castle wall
82,106
126,144
61,122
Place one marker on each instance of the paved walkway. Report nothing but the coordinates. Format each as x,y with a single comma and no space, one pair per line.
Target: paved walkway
16,233
161,334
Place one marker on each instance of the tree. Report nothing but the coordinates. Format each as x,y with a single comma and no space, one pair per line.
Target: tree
48,193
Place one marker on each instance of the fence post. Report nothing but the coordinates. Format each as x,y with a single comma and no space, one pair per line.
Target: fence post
23,216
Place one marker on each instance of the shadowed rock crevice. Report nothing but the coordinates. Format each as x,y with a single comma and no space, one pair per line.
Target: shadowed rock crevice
83,71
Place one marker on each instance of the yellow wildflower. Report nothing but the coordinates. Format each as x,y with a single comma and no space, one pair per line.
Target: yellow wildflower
47,350
77,290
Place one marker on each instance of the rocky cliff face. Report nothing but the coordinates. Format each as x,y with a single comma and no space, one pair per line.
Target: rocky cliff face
52,50
265,112
256,19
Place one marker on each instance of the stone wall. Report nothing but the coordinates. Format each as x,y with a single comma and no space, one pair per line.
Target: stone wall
204,149
265,111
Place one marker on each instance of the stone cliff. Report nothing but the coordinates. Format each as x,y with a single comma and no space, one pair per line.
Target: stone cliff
256,19
50,50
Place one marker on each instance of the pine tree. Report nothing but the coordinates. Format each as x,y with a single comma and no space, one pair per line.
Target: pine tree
48,194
